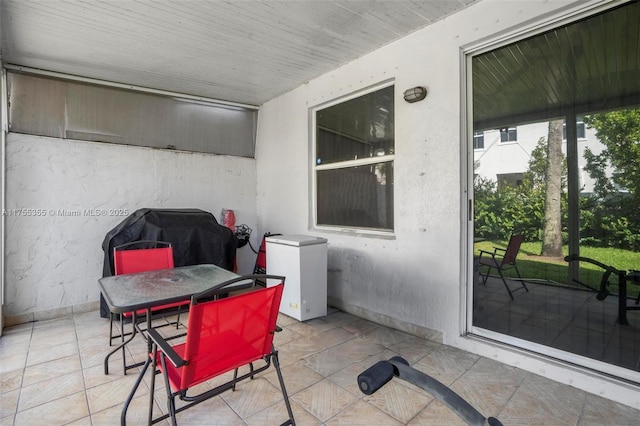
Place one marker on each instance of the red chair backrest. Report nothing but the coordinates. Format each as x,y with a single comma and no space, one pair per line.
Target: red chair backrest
228,333
140,260
512,249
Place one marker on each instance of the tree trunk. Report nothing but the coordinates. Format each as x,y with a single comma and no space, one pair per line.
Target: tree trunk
552,232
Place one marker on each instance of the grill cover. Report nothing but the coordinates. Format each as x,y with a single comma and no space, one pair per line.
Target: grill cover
195,235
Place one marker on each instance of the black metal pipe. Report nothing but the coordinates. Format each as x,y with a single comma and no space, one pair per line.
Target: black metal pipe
455,402
380,373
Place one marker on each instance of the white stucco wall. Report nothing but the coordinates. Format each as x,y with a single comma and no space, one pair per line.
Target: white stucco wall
414,276
498,158
52,261
415,279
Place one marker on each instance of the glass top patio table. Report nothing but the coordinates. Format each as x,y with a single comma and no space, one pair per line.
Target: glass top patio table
143,290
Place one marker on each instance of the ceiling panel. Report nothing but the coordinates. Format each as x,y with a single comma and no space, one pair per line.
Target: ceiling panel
241,51
590,65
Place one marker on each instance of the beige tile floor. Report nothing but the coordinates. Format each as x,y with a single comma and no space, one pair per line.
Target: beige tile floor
51,373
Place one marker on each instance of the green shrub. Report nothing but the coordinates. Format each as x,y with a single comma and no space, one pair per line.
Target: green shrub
500,211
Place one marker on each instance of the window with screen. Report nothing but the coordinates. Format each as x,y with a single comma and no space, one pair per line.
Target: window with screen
478,140
508,134
354,155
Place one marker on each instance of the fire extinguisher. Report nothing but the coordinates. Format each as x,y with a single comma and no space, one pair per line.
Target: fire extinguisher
229,221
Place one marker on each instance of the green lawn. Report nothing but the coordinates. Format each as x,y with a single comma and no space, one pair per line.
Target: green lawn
532,265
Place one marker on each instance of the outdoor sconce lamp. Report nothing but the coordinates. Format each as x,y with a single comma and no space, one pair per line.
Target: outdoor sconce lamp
415,94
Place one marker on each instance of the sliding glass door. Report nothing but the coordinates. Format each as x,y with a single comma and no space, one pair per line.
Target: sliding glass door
556,164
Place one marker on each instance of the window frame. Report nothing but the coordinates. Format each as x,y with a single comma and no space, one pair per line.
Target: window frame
101,112
314,168
477,137
581,130
467,328
509,131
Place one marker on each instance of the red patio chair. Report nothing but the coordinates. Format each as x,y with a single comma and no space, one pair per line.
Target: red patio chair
501,260
126,260
222,335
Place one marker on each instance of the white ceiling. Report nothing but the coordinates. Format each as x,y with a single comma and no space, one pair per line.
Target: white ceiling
586,66
245,51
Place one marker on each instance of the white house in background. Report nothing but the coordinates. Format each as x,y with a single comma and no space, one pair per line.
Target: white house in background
503,155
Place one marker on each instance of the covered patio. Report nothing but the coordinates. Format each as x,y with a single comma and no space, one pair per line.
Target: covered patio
93,82
64,383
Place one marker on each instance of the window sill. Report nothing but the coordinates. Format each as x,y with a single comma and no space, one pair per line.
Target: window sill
356,232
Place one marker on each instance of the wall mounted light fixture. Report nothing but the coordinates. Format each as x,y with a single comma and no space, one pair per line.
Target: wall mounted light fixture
415,94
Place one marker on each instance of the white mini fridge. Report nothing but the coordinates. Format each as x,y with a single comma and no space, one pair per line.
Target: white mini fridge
302,259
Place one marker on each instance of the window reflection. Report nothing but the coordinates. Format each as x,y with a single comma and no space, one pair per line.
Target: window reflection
354,146
569,189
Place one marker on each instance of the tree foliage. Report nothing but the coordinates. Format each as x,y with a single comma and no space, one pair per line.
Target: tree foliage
610,217
619,132
502,211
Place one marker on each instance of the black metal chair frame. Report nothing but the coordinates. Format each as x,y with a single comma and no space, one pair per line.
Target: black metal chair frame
502,260
136,320
603,291
261,258
167,353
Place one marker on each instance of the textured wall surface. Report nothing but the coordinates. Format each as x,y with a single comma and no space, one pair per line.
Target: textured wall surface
415,279
63,196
